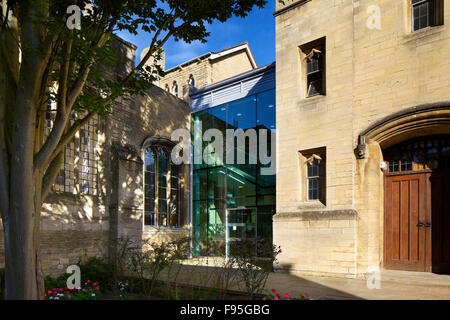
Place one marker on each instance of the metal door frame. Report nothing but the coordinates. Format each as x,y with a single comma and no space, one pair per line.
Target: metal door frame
227,232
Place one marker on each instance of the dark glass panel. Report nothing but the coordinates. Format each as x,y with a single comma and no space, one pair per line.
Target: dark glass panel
201,185
149,218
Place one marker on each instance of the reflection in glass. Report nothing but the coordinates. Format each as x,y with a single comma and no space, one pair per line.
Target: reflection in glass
220,186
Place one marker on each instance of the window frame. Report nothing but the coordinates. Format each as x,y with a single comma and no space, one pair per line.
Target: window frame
306,158
80,177
166,148
175,89
316,48
191,81
320,177
435,13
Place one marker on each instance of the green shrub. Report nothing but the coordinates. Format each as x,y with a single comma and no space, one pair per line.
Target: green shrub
58,282
98,270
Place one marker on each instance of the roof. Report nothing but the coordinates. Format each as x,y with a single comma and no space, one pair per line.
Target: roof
220,54
236,78
234,88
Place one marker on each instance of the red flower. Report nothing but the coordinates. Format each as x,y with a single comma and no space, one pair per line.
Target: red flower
273,290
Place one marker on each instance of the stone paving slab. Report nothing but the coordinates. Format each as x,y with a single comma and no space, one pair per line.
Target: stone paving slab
394,286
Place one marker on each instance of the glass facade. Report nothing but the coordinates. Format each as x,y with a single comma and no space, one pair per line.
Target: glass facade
232,195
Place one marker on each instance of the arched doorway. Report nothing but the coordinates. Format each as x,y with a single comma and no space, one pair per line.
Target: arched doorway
417,211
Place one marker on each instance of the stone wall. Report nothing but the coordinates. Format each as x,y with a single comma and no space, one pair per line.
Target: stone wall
76,227
370,74
325,239
199,69
230,66
206,71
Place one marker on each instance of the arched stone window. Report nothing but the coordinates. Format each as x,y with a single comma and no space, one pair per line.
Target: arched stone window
175,89
191,81
161,184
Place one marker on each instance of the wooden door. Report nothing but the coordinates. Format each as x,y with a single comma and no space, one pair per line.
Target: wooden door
440,183
405,233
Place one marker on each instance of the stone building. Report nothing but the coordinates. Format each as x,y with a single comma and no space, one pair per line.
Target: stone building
207,69
112,167
363,118
361,98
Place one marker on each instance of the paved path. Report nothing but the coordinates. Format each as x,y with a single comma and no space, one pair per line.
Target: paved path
395,285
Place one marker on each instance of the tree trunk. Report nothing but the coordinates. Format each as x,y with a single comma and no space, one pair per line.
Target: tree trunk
22,272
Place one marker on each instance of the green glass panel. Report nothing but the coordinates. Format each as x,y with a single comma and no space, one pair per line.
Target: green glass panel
241,185
216,183
200,185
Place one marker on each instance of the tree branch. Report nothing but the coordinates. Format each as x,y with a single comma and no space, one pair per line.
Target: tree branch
51,174
151,49
65,139
77,88
43,156
66,101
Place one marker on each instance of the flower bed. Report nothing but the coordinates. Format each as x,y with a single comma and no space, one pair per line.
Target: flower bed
285,296
88,291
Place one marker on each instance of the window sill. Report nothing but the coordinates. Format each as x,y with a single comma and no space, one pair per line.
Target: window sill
311,204
315,97
422,33
57,195
154,229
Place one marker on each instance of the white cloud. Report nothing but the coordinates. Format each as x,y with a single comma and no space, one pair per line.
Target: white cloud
179,52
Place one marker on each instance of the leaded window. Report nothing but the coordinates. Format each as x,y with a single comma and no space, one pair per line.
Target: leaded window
161,188
427,153
426,13
315,67
79,174
315,179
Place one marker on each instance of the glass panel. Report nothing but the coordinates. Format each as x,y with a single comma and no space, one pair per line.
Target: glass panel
242,226
149,187
216,183
239,184
421,14
162,187
216,227
200,223
201,185
418,154
174,191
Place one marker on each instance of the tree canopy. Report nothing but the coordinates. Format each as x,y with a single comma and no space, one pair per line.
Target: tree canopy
44,61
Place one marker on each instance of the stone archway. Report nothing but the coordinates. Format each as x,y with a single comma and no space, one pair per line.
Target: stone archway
416,218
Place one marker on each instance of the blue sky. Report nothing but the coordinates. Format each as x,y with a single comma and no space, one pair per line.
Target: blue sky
258,28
